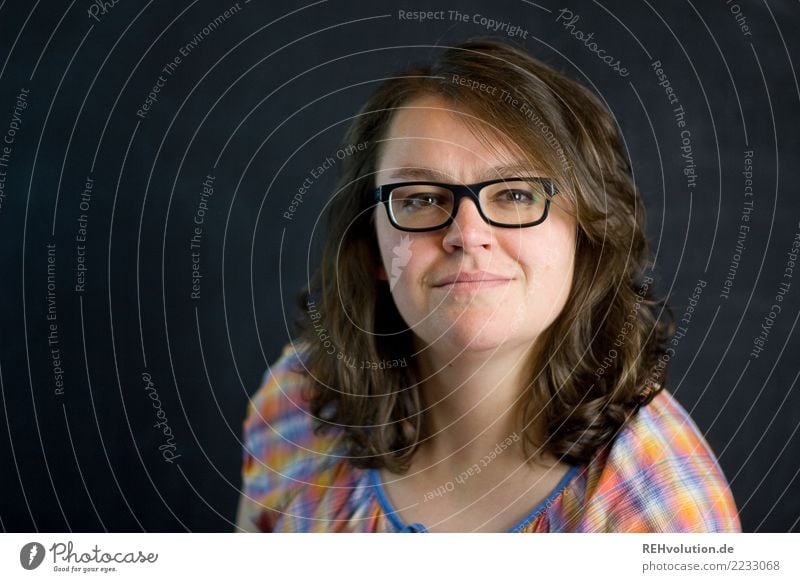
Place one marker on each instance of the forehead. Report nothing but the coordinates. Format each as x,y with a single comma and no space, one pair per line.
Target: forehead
430,134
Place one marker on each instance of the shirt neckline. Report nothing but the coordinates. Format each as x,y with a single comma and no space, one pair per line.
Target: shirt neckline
416,527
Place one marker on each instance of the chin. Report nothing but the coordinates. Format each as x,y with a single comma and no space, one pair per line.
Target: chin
481,335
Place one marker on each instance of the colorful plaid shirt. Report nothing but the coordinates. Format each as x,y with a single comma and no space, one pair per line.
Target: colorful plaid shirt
658,475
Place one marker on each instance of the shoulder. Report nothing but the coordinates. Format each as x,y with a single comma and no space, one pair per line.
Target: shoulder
281,450
281,401
660,475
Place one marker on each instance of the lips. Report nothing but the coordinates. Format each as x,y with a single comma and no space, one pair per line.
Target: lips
474,278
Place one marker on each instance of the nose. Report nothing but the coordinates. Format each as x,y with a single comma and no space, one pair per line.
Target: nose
468,229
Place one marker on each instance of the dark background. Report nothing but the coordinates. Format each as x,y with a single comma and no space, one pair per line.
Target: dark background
259,102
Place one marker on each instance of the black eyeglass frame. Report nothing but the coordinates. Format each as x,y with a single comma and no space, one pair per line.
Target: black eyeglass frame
471,191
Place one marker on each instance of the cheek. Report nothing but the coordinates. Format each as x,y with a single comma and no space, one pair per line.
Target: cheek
387,236
550,265
403,257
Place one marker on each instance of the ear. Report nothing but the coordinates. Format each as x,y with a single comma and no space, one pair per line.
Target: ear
381,272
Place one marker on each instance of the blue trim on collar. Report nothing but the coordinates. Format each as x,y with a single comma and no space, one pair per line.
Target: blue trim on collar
545,503
394,518
386,506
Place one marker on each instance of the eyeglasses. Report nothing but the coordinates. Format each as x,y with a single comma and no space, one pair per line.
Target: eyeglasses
507,202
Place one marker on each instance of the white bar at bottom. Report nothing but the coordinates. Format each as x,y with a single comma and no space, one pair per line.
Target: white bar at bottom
389,557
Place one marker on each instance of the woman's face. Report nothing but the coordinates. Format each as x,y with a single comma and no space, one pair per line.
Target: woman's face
527,272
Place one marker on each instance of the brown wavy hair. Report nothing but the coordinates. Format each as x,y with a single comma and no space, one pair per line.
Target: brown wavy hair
593,367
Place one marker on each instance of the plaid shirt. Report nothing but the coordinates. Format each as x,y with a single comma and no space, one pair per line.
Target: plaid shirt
658,475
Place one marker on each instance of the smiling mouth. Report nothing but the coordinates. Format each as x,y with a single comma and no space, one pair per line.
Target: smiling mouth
481,284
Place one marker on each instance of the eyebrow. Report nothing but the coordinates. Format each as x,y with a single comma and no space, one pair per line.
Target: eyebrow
497,172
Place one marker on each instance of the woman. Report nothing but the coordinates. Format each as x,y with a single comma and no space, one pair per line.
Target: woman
481,349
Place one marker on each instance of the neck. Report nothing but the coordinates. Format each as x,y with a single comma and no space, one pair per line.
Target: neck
472,402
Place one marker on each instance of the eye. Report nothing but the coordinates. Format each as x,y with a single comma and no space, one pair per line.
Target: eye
420,201
517,195
420,197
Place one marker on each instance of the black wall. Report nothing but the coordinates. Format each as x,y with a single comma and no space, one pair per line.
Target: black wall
257,101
